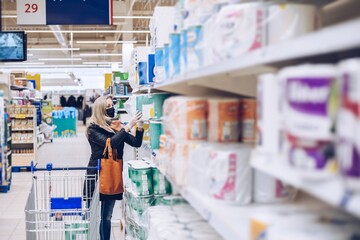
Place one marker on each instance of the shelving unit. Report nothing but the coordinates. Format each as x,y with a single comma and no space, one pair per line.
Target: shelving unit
5,148
21,156
239,75
329,188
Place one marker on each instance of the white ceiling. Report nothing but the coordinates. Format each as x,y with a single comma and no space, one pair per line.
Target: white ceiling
73,36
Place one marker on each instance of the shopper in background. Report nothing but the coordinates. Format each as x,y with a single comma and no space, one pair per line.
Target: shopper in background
103,126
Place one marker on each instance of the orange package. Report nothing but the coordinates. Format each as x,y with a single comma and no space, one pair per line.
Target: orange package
248,120
224,120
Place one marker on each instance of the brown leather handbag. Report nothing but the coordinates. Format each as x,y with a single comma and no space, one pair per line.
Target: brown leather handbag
111,181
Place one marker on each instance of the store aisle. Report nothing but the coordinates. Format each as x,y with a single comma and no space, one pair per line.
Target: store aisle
62,153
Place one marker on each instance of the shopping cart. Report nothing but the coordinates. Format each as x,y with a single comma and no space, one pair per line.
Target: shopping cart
59,206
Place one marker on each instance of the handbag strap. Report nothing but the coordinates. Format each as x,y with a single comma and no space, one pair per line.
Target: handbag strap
108,148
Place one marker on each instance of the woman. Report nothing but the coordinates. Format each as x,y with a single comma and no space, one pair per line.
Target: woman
103,126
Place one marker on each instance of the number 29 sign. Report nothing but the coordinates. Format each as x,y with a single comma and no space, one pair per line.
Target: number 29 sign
31,12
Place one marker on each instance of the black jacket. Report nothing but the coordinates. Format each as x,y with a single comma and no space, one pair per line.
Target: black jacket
97,137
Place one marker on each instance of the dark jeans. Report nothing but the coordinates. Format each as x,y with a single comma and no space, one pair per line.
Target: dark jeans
107,208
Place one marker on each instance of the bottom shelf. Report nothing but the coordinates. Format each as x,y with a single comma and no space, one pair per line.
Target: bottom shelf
21,160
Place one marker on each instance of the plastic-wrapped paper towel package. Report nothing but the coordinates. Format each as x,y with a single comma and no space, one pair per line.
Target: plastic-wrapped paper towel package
310,105
198,162
229,173
270,190
194,37
268,128
224,120
348,123
238,28
185,118
289,20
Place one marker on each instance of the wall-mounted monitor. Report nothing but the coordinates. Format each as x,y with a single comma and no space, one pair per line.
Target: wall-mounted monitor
13,46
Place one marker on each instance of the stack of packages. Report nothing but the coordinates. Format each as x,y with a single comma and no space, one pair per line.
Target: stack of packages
151,106
177,221
207,145
309,120
145,187
209,32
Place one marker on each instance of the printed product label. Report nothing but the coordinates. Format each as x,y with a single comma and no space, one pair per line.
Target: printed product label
196,120
310,106
228,121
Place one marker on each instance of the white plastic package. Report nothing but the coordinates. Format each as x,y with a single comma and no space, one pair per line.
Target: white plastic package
289,20
229,174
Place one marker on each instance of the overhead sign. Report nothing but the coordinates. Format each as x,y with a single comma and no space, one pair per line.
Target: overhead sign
64,12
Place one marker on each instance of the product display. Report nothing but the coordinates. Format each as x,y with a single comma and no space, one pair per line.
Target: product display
250,117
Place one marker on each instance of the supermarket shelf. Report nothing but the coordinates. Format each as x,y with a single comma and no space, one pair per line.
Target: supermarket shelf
13,87
19,98
239,75
19,130
22,116
22,143
23,155
121,110
122,96
222,216
329,189
124,82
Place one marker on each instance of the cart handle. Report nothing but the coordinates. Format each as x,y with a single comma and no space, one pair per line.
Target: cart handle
49,167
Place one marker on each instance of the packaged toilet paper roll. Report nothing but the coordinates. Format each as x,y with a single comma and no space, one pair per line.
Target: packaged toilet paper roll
268,114
314,157
239,28
156,130
229,174
270,190
286,21
248,120
310,101
224,120
185,118
348,123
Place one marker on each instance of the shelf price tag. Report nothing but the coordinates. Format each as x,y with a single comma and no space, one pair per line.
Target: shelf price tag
31,12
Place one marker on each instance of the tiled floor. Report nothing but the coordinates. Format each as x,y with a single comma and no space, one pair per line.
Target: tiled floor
62,153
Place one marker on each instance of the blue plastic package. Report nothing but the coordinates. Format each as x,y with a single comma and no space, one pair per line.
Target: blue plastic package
175,48
142,71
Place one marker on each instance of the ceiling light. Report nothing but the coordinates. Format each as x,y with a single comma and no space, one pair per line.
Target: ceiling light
103,42
100,54
53,49
88,31
132,17
9,16
60,59
104,63
25,63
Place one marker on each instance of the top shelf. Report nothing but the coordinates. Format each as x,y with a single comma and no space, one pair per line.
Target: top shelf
236,75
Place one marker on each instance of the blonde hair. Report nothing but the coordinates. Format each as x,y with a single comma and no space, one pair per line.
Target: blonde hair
98,116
